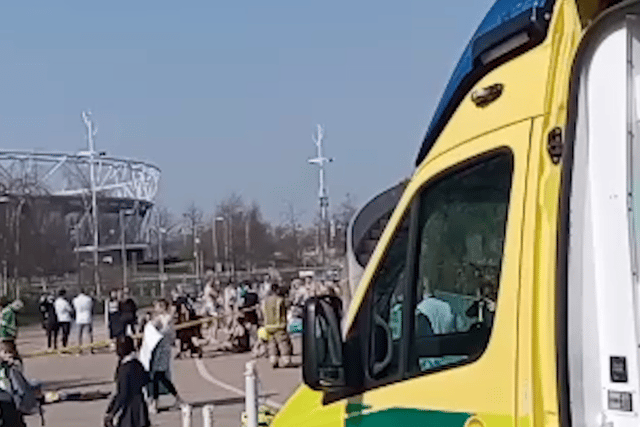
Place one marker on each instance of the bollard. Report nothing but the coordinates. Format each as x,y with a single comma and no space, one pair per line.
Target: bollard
207,416
186,415
251,394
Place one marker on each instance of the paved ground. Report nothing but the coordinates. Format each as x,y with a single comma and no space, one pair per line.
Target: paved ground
217,379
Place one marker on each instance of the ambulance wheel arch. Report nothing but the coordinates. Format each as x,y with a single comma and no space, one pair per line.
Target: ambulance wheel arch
443,286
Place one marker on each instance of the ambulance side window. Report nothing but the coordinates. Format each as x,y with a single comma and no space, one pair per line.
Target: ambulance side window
460,231
387,293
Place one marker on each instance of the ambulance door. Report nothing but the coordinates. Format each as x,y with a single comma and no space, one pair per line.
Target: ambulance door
441,310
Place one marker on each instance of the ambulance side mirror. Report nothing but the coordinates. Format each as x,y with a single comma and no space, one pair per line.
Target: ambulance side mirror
322,346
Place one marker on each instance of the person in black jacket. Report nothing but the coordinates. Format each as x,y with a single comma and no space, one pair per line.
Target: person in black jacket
128,312
128,404
49,320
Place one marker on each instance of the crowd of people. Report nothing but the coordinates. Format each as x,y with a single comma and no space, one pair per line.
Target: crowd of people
58,314
239,317
258,316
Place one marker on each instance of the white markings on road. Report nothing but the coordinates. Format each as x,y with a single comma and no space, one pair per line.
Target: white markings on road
202,370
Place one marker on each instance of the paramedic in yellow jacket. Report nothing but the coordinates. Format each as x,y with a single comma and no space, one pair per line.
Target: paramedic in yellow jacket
274,314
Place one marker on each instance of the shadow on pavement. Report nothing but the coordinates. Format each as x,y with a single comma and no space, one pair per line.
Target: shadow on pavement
227,401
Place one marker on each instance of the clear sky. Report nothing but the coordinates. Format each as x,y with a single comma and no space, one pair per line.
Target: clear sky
225,96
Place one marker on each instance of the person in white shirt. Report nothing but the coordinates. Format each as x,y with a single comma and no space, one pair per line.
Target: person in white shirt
83,305
64,313
437,313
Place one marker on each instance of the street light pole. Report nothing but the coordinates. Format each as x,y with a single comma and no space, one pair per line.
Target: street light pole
247,241
123,249
214,244
4,277
4,200
161,232
233,252
76,230
16,271
226,242
91,132
323,196
216,250
123,243
196,253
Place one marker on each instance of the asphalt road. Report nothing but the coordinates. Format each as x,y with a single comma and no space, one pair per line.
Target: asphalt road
216,379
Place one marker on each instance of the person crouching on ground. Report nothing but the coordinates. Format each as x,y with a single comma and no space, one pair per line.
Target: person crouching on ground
128,404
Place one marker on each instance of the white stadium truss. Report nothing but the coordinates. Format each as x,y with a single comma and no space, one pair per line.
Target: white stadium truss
60,174
65,181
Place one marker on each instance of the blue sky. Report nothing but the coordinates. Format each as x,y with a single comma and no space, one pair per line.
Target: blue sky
225,96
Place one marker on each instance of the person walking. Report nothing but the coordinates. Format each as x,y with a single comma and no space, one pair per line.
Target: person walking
8,320
274,314
49,320
83,306
128,404
64,314
112,315
161,358
128,312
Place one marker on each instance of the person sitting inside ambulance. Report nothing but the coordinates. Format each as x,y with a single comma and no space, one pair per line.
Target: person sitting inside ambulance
433,316
484,307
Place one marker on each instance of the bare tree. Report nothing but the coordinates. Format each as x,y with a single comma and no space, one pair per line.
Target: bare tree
291,227
193,219
341,219
230,211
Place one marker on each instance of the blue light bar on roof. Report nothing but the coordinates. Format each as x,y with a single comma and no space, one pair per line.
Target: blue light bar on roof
509,28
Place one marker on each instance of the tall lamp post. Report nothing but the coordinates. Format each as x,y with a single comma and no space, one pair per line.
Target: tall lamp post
196,245
91,154
247,241
323,196
216,250
3,200
123,243
160,232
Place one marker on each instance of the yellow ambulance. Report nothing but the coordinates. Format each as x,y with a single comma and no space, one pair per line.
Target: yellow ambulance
504,288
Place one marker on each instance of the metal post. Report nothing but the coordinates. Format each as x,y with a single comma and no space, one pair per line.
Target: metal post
186,415
123,249
161,260
323,197
214,243
196,253
247,242
251,394
18,214
231,248
77,233
207,415
91,131
226,242
5,278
